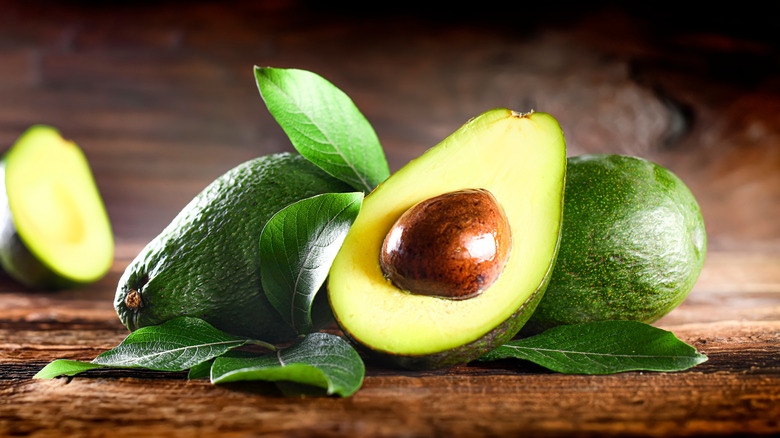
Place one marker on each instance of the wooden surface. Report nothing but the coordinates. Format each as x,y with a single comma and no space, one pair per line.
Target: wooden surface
161,98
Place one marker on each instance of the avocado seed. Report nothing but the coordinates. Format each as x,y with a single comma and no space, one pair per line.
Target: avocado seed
452,246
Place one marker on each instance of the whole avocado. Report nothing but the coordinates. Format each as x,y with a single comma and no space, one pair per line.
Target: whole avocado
206,263
633,244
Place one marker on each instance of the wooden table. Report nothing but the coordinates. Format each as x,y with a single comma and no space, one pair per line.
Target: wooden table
162,100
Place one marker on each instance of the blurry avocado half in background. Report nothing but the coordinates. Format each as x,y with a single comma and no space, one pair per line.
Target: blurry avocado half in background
54,229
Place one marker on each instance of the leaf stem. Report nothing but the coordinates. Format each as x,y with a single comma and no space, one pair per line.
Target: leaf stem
262,344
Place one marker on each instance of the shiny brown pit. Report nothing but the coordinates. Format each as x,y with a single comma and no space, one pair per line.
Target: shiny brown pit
452,246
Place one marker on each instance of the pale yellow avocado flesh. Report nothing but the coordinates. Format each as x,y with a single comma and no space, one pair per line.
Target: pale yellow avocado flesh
521,159
57,210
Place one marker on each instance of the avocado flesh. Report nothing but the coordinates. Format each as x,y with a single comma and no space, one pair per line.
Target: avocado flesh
521,160
633,244
206,262
55,229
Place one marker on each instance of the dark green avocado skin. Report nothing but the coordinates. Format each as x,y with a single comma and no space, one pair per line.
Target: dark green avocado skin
205,264
633,244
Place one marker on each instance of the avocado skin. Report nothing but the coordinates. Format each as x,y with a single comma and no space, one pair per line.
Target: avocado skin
633,244
205,264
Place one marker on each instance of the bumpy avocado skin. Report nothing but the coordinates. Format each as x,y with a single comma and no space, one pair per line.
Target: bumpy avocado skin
206,262
633,244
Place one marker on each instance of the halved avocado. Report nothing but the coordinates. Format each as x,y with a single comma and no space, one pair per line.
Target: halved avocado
521,160
54,229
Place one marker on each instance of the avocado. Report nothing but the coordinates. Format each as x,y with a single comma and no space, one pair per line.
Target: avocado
633,244
54,229
520,161
205,263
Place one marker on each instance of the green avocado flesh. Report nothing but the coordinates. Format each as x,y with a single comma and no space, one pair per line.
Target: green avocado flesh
633,244
521,160
205,264
55,230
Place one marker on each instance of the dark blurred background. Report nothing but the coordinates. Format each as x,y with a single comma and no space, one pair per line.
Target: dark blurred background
161,96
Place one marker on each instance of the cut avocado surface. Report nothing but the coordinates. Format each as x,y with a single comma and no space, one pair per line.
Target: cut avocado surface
521,160
633,244
206,263
55,229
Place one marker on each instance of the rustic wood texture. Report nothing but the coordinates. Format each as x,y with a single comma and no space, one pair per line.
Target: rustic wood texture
736,392
160,96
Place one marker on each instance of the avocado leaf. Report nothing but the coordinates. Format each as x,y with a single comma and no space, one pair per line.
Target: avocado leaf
176,345
320,359
202,370
324,125
64,367
297,247
602,347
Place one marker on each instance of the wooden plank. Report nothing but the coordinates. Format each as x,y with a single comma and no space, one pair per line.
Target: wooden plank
737,391
464,402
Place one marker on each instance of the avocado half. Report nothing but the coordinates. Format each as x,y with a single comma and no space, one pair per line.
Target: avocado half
521,160
54,229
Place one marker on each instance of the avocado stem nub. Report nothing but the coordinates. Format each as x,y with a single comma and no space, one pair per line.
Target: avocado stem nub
133,300
521,115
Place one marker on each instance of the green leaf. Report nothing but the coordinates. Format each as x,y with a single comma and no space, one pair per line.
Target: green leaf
200,371
63,367
320,359
602,348
324,125
176,345
297,247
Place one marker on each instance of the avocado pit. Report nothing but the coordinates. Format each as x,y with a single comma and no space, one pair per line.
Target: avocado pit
452,246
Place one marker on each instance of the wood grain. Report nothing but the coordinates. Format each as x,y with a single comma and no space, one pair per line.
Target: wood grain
736,392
